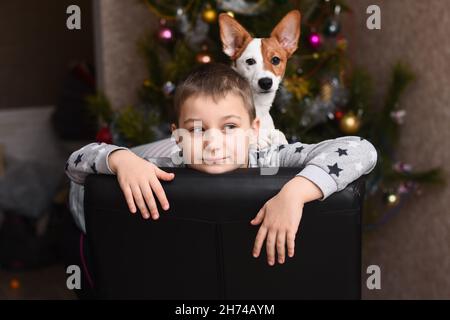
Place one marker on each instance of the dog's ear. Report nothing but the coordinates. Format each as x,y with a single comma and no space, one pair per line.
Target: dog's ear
287,31
234,36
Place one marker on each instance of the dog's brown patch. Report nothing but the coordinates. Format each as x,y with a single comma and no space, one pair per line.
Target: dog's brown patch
234,36
287,32
271,48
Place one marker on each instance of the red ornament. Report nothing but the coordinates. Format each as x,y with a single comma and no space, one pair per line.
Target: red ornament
338,115
14,284
104,135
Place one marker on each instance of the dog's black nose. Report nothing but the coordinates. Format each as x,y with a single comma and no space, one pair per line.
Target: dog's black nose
265,83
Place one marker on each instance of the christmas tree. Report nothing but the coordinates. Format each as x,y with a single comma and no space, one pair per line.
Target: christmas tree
321,97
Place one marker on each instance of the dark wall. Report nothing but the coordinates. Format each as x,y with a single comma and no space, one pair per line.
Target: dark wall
36,49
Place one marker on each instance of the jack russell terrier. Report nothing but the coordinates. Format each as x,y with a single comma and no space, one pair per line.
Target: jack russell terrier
262,61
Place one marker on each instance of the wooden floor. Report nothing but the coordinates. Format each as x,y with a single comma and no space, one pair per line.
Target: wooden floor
46,283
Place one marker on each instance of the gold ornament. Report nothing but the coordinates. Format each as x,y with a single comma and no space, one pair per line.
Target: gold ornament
349,123
203,57
326,92
342,44
296,85
209,15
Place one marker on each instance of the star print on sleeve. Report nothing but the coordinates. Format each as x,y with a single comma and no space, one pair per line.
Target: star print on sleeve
90,159
299,149
334,169
93,168
281,147
78,159
332,164
341,152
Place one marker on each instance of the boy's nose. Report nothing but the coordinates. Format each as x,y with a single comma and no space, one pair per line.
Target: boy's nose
213,140
265,83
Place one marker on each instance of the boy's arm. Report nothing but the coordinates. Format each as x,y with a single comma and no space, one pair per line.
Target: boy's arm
331,164
76,204
90,159
156,152
93,158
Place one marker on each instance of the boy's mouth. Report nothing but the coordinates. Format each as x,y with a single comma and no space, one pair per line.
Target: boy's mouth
215,160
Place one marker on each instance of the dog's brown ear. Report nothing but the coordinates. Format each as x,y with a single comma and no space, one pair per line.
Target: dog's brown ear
287,31
234,36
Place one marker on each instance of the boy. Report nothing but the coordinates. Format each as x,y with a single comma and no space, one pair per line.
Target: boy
216,126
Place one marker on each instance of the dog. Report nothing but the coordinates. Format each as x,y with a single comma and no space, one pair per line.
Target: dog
262,61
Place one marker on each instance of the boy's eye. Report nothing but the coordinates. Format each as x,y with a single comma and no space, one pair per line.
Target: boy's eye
196,129
275,60
230,126
250,61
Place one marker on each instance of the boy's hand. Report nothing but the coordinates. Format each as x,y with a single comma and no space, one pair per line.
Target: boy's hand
138,180
280,218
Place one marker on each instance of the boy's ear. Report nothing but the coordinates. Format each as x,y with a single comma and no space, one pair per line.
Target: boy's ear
173,127
287,31
255,130
256,123
178,138
234,36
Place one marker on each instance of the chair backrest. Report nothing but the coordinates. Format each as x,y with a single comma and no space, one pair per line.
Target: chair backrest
201,248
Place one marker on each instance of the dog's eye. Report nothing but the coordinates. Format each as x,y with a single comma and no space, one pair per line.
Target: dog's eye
250,61
275,60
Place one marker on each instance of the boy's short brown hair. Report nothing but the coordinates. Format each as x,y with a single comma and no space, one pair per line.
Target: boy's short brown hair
215,80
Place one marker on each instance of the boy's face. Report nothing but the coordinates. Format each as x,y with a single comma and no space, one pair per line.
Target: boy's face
215,134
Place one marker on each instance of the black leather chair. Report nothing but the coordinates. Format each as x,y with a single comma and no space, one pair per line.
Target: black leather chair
201,248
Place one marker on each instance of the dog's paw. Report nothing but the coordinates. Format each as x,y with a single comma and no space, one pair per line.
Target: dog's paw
272,137
264,141
277,137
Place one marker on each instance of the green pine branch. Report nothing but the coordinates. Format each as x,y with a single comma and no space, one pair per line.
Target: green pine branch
135,126
100,107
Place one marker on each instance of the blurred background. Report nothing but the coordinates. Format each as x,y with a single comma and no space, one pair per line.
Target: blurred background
113,81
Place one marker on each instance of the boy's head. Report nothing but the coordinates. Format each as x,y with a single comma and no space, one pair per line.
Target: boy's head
215,119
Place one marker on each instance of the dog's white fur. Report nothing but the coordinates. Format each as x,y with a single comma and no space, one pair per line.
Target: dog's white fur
262,99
